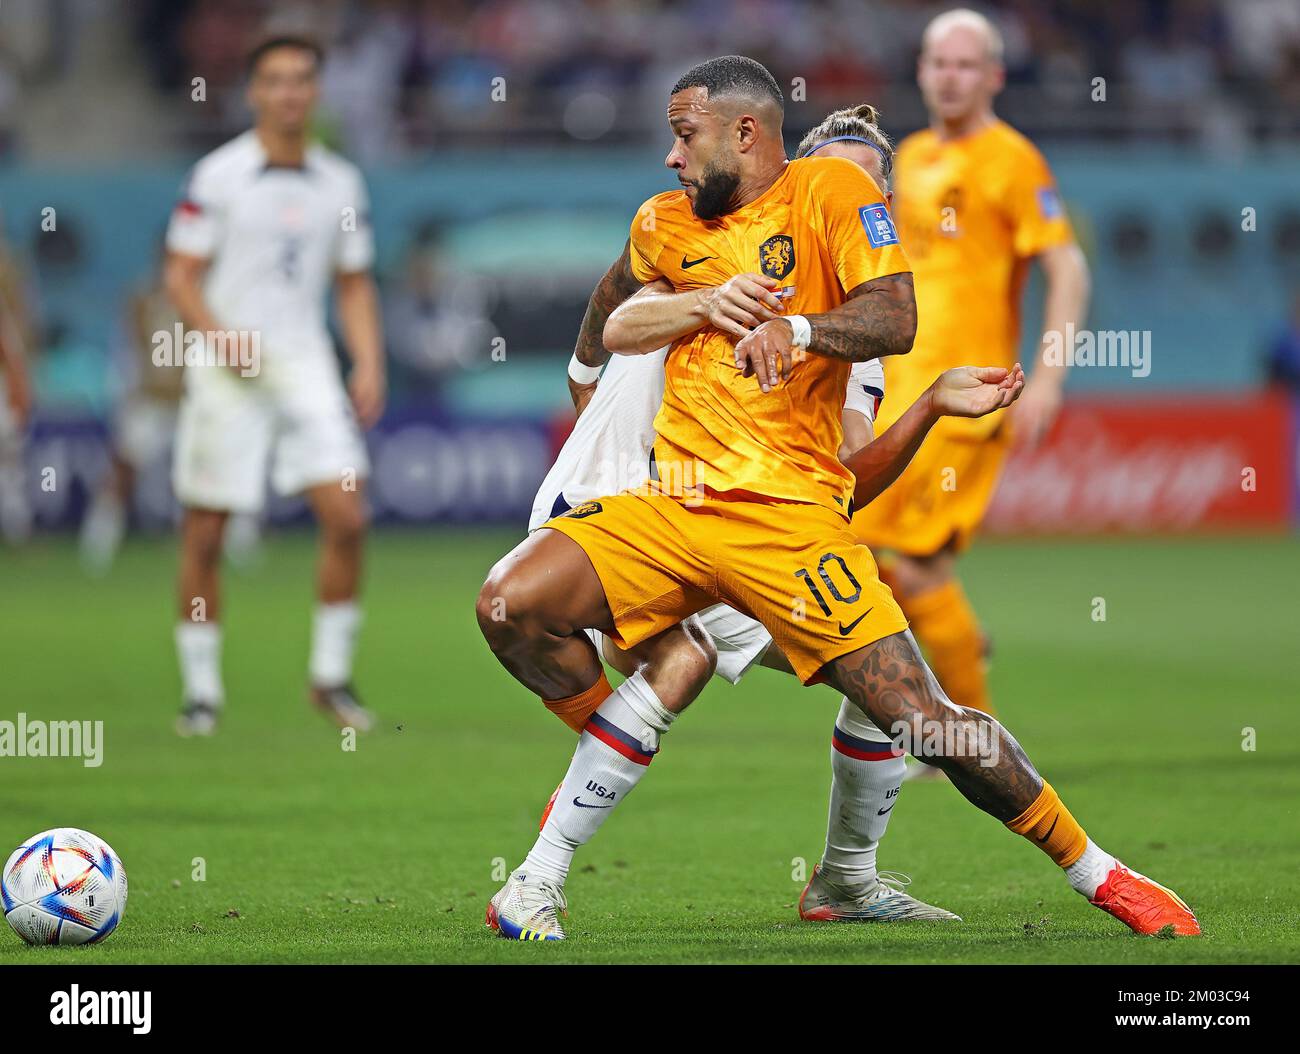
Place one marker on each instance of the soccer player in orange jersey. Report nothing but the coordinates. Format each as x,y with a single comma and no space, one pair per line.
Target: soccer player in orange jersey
753,507
976,204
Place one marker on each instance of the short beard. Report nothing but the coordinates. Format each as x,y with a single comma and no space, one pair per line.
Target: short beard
715,191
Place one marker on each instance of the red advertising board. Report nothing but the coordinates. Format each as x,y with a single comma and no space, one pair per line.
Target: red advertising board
1162,464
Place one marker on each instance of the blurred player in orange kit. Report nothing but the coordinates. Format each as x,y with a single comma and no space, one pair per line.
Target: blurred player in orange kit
976,204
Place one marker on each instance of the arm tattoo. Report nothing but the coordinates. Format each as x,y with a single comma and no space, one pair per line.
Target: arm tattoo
877,319
889,681
616,286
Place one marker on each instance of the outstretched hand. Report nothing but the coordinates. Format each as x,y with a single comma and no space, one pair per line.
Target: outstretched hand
974,391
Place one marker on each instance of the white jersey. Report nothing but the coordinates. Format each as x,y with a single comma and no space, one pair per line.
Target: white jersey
609,448
276,237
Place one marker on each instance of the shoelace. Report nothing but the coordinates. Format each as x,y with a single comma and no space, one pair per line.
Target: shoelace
1132,896
894,880
544,898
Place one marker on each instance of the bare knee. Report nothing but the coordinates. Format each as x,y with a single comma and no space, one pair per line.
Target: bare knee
201,537
701,662
345,525
509,607
678,663
911,576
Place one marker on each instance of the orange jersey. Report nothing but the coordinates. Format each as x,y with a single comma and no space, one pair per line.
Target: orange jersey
820,230
972,212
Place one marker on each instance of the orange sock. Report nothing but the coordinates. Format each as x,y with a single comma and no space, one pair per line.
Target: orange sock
575,710
946,627
1048,824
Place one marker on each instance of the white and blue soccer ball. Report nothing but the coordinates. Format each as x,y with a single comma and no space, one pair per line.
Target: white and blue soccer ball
63,886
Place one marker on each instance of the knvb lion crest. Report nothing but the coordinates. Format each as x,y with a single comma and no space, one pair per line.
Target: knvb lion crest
587,508
776,256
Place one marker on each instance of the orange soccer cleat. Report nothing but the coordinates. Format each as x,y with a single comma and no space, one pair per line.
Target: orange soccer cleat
1142,905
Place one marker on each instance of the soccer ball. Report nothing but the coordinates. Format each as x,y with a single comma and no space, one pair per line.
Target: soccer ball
63,886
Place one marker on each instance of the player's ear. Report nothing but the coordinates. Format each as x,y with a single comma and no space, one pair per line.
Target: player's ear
889,200
998,78
746,131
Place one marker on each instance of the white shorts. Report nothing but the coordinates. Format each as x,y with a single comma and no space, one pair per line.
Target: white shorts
740,640
229,425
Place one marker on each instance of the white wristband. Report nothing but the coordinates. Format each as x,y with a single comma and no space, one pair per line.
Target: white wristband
583,374
802,330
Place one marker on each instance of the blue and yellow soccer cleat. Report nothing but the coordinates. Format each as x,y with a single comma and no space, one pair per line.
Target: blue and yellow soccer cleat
528,910
883,900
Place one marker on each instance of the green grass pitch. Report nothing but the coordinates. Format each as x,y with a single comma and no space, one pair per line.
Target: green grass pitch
387,853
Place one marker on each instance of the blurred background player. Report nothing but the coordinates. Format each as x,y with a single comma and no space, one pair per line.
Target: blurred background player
15,400
976,204
267,223
141,430
143,421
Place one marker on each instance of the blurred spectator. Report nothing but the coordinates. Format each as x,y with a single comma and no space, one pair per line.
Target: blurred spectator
1283,361
435,318
406,75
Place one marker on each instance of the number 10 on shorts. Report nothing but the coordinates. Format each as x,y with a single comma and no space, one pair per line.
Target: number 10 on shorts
825,575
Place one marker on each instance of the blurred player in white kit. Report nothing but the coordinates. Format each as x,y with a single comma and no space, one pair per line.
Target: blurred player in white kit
16,340
143,424
266,223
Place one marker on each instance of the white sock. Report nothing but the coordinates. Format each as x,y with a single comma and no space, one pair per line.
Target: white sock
866,776
1088,872
198,646
613,754
333,641
102,531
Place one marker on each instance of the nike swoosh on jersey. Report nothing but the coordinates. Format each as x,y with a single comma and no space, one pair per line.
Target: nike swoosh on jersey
846,630
688,264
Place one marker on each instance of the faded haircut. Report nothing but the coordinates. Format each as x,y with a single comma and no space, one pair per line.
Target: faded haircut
733,75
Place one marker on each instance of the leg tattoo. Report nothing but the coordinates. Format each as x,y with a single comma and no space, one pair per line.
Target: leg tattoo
891,683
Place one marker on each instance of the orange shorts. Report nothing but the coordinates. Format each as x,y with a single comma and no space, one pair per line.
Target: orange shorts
796,568
940,498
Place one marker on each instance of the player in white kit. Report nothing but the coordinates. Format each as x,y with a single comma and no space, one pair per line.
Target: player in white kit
267,223
16,342
608,451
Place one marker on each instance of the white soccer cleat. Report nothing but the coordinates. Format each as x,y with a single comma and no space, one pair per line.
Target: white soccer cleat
197,719
341,705
528,909
883,900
